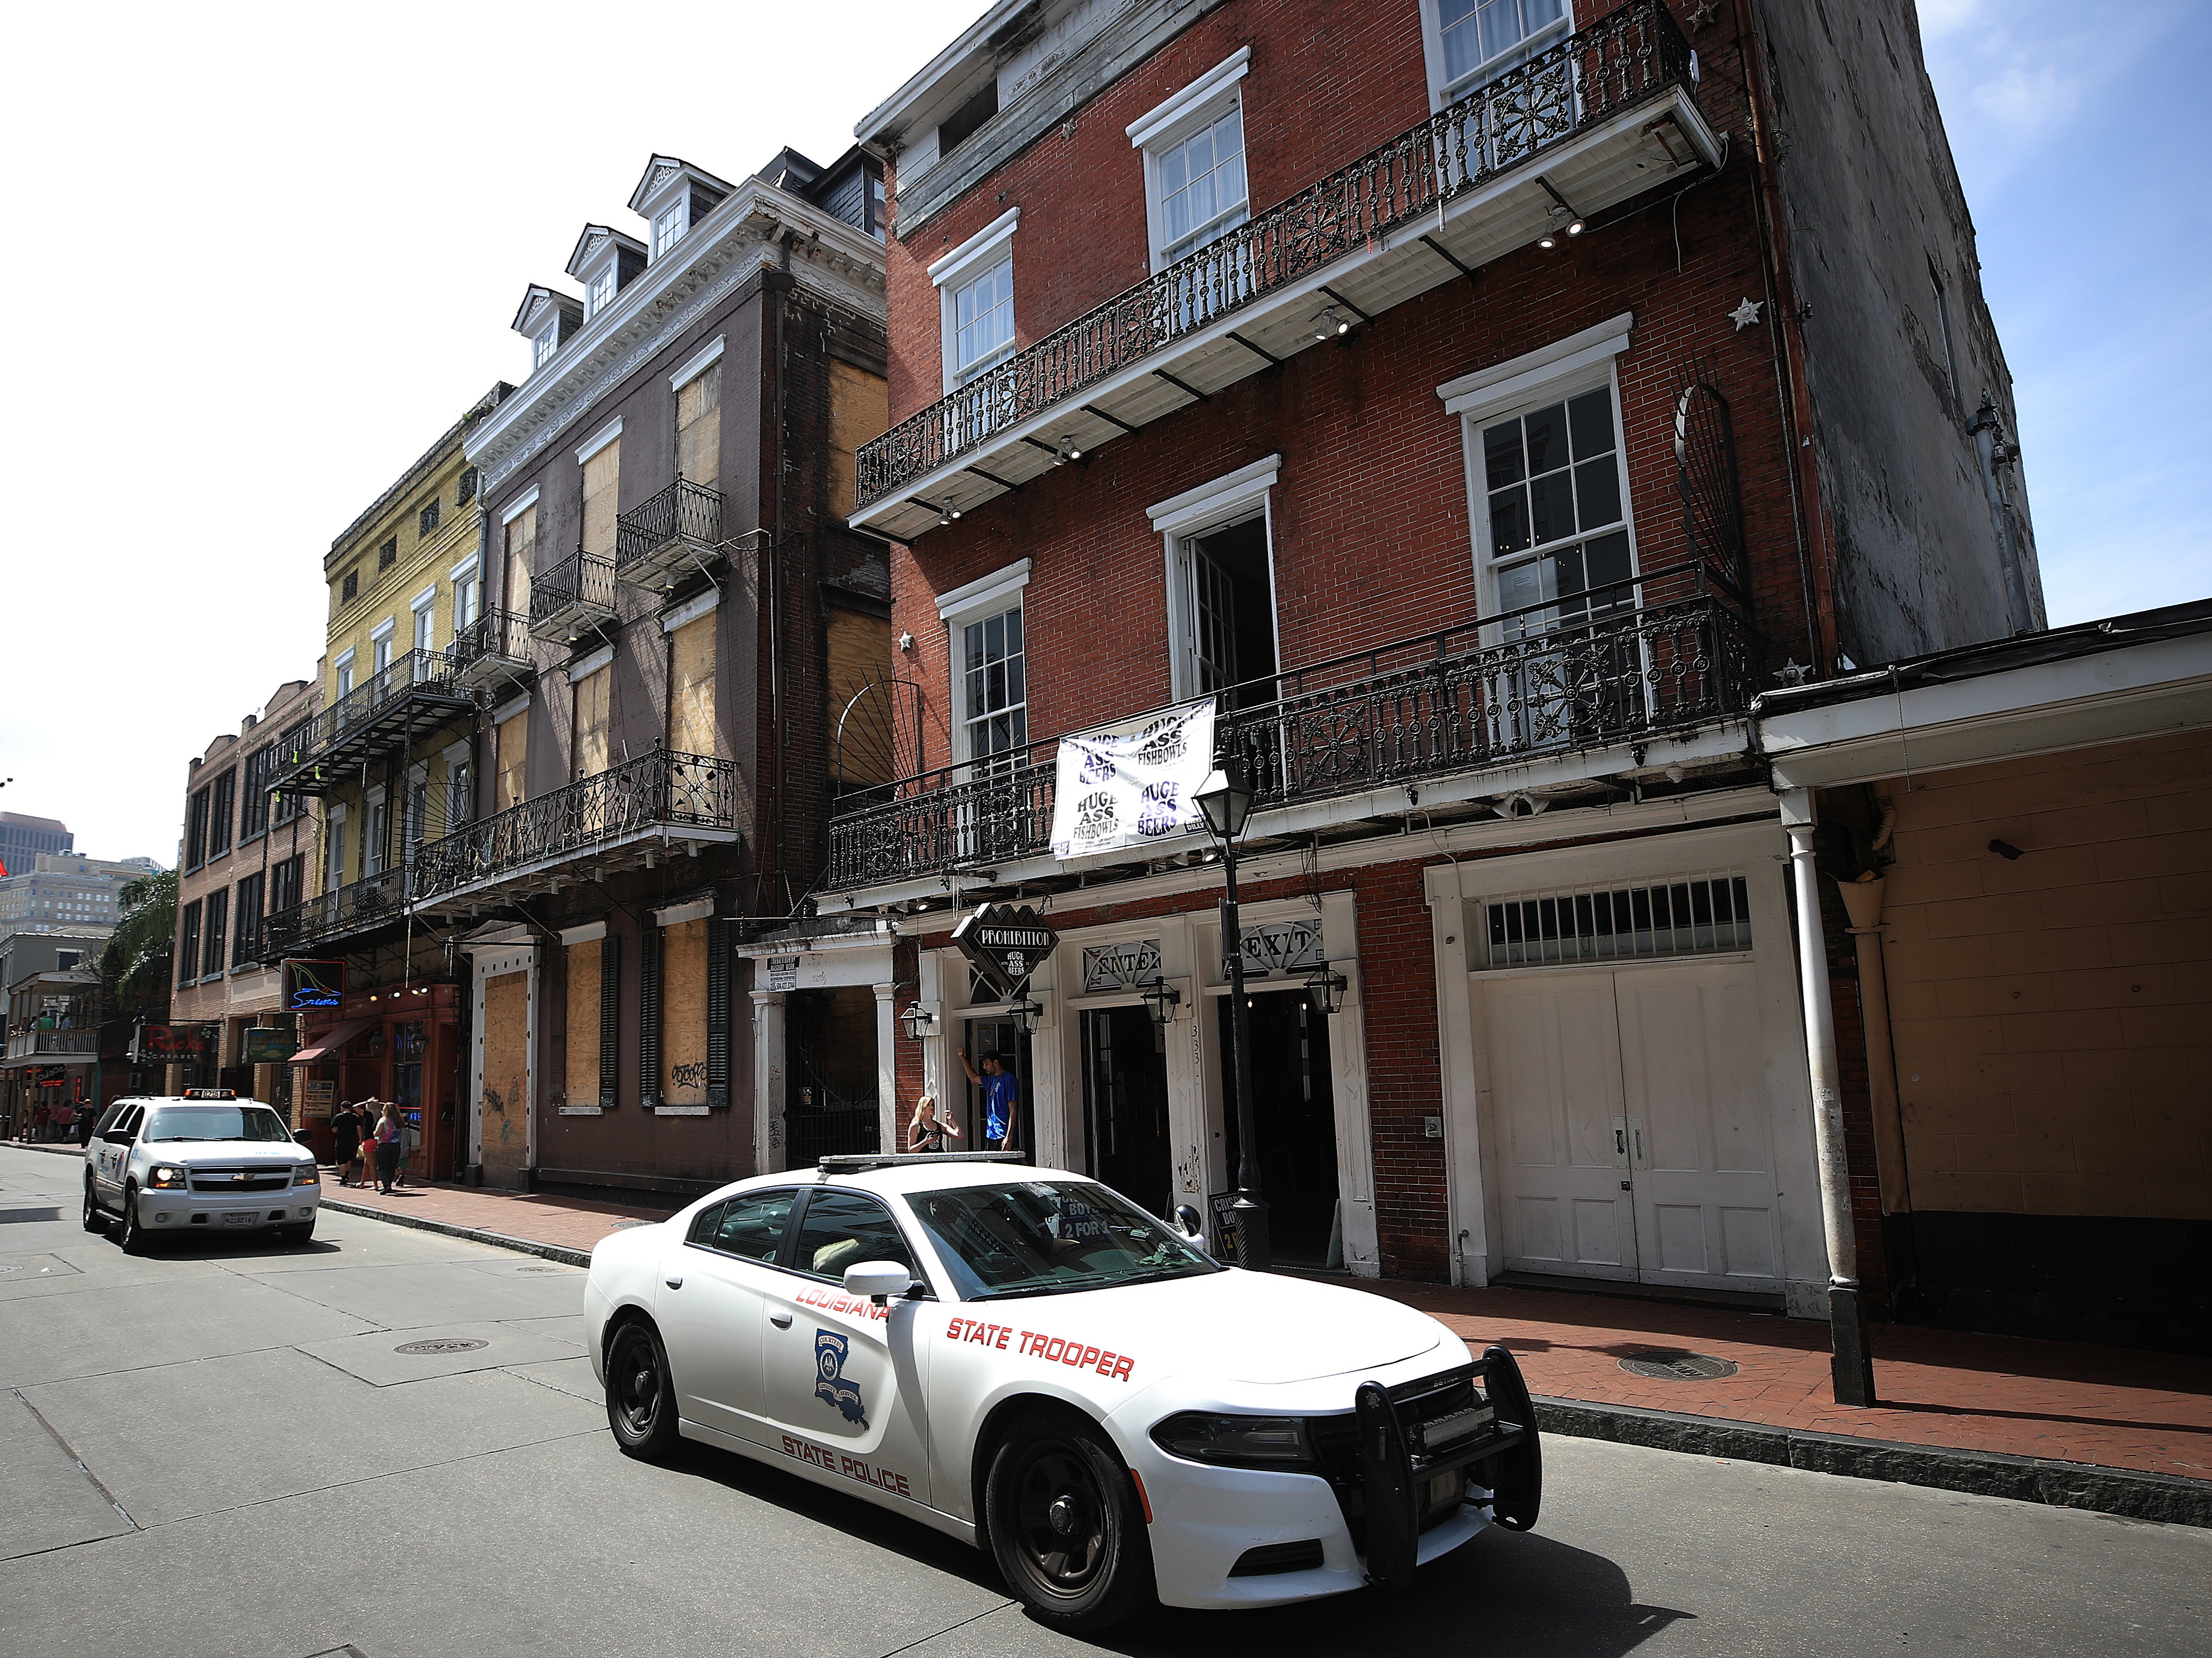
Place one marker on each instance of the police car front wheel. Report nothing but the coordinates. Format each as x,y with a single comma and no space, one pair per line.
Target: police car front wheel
640,1398
1065,1524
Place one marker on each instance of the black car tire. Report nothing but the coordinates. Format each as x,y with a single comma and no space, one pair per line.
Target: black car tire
1067,1525
641,1395
95,1218
133,1235
304,1233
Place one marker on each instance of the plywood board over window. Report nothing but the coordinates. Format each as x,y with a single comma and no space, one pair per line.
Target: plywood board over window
511,740
699,428
506,1077
684,1014
860,411
602,475
583,1010
592,696
692,727
521,549
860,651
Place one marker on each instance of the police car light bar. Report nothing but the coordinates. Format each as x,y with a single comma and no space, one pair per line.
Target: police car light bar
210,1093
853,1163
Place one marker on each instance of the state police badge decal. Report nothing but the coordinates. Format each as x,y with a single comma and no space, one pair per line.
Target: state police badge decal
830,1383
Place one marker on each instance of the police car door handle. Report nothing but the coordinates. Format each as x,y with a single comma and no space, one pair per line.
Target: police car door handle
781,1321
676,1283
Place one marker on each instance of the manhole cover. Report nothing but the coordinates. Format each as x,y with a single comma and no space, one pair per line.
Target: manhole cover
462,1344
1672,1366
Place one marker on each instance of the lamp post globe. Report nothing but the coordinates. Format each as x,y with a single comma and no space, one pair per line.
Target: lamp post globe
1225,797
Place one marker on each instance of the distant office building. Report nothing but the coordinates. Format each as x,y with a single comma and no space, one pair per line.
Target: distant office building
62,893
23,838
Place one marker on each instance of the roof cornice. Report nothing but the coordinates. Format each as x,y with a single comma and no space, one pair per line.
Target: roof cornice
742,235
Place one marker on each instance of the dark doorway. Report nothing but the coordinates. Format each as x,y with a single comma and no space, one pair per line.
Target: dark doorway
1125,1105
1003,1037
830,1074
1294,1110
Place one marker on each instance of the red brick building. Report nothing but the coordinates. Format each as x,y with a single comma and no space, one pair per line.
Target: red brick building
1460,412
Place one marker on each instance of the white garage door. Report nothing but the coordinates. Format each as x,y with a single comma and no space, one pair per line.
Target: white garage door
1636,1142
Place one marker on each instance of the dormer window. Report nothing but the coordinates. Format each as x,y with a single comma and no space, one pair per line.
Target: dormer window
670,224
604,261
546,344
672,198
601,293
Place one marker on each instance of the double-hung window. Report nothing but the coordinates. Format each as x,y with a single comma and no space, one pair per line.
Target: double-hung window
188,943
601,293
670,224
247,946
544,346
220,804
984,624
425,610
1471,41
983,322
1202,192
975,288
1195,188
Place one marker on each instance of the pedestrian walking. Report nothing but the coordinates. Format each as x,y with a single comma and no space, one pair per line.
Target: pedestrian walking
345,1141
40,1120
1002,1099
927,1131
385,1139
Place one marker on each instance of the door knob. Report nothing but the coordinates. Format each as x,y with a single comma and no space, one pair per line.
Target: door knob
1626,1186
676,1283
781,1321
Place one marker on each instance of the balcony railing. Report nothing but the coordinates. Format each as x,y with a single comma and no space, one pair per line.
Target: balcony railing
1628,57
353,908
575,596
414,694
31,1044
1590,672
661,790
680,526
493,650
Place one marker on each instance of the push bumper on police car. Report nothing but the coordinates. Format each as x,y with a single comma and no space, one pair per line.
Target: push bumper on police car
1423,1462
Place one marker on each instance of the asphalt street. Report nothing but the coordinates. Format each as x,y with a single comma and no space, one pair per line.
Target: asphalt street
216,1449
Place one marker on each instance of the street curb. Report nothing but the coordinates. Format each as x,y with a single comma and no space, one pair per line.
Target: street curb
561,1252
2165,1498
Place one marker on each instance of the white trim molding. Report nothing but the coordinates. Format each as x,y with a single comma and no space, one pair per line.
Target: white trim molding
691,609
506,711
976,595
583,935
1503,382
424,599
705,358
465,569
676,915
977,250
1195,100
600,439
515,508
1245,487
585,667
453,753
383,630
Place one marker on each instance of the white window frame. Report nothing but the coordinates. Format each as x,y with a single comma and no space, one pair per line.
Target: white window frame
372,803
599,291
1565,368
961,269
468,591
334,849
423,610
379,644
671,224
1433,50
705,358
1201,103
342,676
591,446
546,345
1180,520
980,600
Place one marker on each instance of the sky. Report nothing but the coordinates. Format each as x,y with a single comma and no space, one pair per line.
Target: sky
263,255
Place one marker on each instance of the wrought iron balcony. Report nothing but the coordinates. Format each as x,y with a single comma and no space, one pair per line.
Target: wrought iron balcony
355,908
407,699
1596,670
492,652
1603,116
679,529
630,815
576,596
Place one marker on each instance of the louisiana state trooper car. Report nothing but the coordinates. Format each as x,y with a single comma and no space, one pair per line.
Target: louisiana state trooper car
1024,1359
203,1161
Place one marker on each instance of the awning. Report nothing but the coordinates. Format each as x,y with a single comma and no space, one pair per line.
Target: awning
326,1046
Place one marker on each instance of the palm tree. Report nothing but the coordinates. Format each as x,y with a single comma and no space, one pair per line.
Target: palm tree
135,963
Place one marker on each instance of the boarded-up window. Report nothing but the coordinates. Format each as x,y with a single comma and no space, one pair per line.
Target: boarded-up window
521,549
584,1023
699,428
692,725
684,1014
511,741
859,410
602,473
861,652
506,1147
591,721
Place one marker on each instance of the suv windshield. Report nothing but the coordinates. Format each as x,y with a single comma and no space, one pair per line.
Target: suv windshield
215,1122
1048,1237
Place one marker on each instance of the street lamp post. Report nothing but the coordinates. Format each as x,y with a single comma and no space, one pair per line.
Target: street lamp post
1225,797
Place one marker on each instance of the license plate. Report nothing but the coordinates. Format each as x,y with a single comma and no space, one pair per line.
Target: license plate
242,1217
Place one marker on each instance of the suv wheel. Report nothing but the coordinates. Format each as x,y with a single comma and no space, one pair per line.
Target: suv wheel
95,1218
134,1236
1066,1525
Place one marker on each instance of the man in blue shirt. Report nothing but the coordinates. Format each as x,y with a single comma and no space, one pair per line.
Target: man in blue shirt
1002,1101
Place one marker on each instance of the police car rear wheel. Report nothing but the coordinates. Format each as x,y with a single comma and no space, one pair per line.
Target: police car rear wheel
1066,1525
640,1399
133,1238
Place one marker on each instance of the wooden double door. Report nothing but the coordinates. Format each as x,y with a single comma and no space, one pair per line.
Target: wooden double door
1635,1130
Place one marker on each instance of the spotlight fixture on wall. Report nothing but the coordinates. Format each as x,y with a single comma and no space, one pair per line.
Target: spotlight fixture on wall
1331,323
1066,450
1564,221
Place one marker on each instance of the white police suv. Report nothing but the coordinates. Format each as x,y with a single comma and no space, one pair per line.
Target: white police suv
1024,1358
204,1162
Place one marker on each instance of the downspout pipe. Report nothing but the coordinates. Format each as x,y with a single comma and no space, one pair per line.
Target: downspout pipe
1851,1365
1863,901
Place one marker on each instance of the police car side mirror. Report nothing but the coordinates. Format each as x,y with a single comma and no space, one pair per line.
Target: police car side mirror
1192,1225
878,1280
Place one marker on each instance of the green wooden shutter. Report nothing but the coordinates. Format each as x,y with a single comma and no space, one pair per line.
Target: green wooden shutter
718,1012
610,1018
648,1018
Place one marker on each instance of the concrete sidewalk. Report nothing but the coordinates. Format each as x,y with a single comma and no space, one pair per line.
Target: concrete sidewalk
2111,1428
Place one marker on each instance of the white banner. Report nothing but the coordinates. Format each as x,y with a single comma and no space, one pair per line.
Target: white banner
1133,785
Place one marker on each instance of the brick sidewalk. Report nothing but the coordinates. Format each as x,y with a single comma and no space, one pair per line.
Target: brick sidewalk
1945,1390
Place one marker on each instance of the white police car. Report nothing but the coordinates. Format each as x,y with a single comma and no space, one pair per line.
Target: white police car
203,1161
1024,1359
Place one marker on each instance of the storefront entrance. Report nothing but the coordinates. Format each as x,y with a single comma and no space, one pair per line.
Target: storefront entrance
1125,1106
1294,1112
831,1075
1004,1037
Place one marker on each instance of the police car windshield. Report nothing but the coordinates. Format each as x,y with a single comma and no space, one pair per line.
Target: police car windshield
215,1122
1049,1237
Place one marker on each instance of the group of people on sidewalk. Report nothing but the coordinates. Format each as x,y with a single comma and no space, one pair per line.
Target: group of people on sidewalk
1002,1101
370,1137
56,1121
